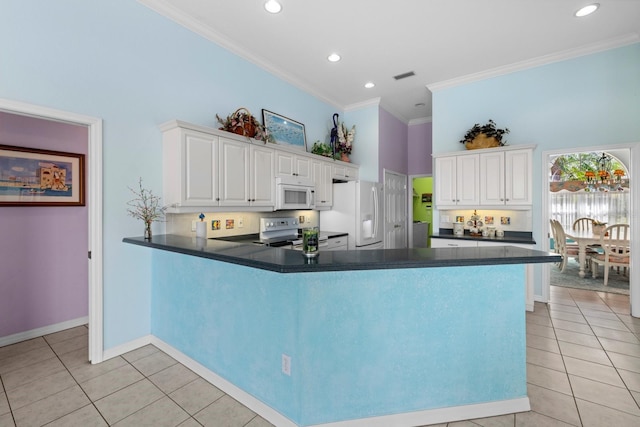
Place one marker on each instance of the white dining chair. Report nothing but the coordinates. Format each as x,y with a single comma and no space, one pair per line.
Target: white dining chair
614,242
560,244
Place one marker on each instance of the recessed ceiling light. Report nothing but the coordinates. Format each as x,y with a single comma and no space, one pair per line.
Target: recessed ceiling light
587,10
273,6
369,85
334,57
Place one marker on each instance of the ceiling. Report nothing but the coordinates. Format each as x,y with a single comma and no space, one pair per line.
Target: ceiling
444,42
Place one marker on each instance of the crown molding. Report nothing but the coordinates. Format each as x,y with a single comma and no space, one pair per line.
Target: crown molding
536,62
363,104
420,121
168,11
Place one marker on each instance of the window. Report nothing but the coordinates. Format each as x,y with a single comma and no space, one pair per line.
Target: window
593,185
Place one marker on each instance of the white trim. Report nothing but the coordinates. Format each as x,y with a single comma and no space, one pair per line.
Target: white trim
178,16
45,330
406,419
127,347
363,104
441,415
94,206
634,189
420,121
537,62
257,406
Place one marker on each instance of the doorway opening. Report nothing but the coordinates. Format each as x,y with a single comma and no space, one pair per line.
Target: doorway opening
94,208
592,182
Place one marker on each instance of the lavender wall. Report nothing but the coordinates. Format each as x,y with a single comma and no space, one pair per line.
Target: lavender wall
43,250
392,142
420,145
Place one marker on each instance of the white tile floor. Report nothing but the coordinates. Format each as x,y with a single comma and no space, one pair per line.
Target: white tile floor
583,369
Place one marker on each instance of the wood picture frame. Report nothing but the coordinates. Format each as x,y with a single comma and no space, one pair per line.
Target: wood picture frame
284,130
35,177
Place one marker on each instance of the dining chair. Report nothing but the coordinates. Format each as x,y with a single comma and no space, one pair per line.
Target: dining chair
582,224
560,244
614,242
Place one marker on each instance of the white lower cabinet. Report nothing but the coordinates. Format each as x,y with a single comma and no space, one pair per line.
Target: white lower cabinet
459,243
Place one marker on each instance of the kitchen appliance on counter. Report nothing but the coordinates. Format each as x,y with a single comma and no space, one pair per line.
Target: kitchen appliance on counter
294,192
357,209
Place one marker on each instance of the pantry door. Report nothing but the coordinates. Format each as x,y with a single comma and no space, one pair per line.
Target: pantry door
395,210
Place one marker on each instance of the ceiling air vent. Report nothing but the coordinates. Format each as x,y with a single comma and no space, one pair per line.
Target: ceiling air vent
404,75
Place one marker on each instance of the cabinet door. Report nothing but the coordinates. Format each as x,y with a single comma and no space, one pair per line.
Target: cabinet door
262,176
322,173
445,181
200,180
467,184
302,167
285,165
518,187
492,179
234,173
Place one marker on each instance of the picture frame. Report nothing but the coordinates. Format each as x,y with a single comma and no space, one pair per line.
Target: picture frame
284,130
35,177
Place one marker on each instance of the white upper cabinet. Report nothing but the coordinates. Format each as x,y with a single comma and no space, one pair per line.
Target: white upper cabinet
342,171
322,179
456,180
206,168
291,164
505,178
190,168
490,177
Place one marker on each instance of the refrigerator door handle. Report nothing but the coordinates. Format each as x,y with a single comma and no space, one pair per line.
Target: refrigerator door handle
374,190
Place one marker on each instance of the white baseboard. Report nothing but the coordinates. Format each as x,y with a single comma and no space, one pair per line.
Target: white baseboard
407,419
126,347
45,330
257,406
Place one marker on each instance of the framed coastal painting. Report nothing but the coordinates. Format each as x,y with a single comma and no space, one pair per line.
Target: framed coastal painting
284,130
33,177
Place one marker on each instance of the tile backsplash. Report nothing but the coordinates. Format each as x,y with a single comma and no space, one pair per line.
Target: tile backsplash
508,220
232,223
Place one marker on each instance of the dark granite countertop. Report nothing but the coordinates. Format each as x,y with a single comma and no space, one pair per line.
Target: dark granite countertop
519,237
291,261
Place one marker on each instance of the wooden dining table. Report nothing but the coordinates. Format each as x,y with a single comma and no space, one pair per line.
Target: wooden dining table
585,238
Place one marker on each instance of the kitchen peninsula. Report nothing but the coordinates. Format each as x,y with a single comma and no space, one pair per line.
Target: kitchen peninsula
381,337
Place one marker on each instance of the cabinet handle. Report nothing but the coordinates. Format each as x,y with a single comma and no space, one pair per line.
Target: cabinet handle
217,199
452,244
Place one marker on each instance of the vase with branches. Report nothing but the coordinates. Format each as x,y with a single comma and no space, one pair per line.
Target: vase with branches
145,206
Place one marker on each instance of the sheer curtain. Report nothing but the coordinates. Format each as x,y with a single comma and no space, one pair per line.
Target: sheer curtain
611,207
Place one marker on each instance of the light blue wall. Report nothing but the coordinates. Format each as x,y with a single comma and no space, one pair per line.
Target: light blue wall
362,343
587,101
365,146
120,61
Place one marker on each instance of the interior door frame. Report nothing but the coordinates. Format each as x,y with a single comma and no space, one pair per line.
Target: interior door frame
94,200
634,189
410,179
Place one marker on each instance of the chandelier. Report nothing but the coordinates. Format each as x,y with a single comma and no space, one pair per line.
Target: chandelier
604,179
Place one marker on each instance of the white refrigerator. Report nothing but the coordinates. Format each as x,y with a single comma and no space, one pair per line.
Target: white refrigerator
358,210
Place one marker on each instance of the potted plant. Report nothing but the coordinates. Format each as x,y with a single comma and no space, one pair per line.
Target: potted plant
345,141
485,136
322,149
241,122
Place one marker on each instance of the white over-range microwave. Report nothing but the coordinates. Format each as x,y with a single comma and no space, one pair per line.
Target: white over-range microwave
294,192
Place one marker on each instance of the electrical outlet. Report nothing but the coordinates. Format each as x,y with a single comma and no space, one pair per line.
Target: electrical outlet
286,364
240,222
193,225
308,220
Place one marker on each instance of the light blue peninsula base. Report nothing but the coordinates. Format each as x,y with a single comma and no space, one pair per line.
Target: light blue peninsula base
390,347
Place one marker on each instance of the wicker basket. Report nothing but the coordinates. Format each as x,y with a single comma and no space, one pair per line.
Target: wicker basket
482,141
249,128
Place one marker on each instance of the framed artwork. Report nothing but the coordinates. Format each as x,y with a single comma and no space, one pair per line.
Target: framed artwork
33,177
284,130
